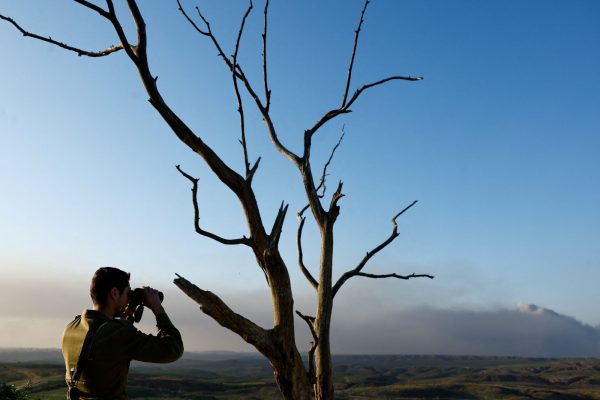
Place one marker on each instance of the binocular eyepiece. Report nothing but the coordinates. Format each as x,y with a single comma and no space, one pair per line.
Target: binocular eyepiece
136,303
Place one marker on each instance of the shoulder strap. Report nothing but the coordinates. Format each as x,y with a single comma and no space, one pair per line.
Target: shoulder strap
83,356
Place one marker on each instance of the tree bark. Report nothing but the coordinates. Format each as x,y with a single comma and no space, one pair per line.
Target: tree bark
290,373
324,367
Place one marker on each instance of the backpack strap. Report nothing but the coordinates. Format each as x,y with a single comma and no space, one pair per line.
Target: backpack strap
84,355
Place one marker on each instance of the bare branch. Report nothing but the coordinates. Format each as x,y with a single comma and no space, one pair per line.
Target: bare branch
380,82
208,32
358,270
311,353
346,108
237,93
191,21
93,7
213,306
238,71
309,321
200,231
324,176
356,34
264,54
80,52
394,275
303,268
301,212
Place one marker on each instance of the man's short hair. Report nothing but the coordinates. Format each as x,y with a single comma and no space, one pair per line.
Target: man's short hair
104,280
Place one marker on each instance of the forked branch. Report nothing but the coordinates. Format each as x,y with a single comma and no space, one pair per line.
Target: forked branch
277,226
199,230
140,26
358,270
239,73
80,52
334,209
346,108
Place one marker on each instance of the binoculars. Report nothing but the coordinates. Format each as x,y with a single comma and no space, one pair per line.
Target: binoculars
136,303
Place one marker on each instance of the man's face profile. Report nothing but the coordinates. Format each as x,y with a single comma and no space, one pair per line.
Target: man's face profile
121,301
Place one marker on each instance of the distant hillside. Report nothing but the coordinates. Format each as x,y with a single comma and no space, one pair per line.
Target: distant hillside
45,356
229,376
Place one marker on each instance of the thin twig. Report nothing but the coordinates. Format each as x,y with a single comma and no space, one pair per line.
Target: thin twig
394,275
80,52
301,212
191,21
237,93
324,176
93,7
380,82
356,34
243,240
264,54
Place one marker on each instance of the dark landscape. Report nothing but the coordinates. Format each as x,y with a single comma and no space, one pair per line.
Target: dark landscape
228,376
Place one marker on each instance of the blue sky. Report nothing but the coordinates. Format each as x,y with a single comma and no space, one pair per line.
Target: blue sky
499,144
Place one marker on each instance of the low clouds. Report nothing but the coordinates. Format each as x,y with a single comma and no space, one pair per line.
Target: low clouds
527,330
35,317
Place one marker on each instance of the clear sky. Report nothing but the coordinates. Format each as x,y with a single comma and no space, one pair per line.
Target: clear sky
499,143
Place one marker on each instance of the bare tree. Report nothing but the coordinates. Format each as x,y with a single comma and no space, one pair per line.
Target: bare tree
277,344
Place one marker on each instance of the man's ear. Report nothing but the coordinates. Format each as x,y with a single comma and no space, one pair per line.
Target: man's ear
114,293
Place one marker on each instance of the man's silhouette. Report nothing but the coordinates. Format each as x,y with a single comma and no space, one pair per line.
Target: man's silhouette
116,341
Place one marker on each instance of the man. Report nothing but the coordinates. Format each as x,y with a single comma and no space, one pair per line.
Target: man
116,341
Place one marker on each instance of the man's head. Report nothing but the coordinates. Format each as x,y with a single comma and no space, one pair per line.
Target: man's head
107,283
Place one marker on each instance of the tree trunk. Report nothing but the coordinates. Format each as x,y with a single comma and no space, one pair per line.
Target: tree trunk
324,375
291,377
289,370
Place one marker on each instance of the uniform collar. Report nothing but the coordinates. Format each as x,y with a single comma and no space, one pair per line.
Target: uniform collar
94,314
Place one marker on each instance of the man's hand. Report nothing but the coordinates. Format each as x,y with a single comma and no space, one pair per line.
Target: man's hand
152,301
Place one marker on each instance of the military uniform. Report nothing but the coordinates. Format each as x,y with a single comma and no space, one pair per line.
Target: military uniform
115,343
